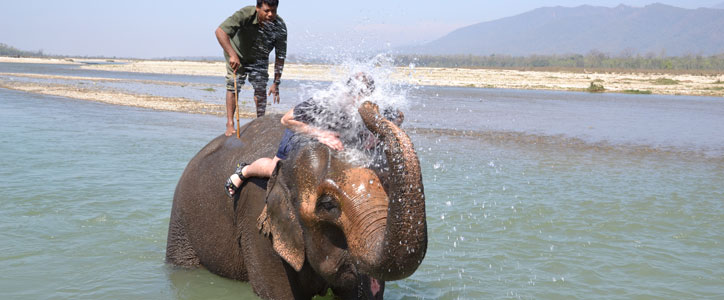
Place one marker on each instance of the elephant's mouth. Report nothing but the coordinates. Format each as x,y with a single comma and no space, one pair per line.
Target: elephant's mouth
374,286
366,284
347,272
367,287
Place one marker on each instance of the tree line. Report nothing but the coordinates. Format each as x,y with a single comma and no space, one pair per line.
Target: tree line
593,60
6,50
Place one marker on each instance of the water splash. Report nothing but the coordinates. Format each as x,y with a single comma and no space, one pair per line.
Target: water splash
340,98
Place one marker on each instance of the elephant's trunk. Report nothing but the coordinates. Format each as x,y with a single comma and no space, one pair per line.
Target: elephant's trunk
400,251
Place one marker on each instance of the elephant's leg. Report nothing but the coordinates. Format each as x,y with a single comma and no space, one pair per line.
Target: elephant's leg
267,274
178,247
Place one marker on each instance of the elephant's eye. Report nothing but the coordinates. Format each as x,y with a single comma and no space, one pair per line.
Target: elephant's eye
326,204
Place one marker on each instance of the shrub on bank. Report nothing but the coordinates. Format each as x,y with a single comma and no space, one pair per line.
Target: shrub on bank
665,81
637,92
595,87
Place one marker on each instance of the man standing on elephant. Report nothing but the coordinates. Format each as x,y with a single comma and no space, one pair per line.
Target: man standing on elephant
247,37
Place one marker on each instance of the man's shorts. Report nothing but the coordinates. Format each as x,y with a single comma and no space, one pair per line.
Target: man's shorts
288,143
258,74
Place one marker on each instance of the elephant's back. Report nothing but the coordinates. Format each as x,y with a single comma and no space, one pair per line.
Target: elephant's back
258,138
201,206
218,159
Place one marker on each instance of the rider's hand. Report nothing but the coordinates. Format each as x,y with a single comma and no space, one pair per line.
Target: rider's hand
331,139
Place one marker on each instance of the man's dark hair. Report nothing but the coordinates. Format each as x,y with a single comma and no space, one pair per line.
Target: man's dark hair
270,3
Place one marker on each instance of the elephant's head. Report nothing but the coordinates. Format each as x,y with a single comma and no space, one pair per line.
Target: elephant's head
350,222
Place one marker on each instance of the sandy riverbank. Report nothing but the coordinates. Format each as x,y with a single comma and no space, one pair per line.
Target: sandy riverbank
665,84
120,98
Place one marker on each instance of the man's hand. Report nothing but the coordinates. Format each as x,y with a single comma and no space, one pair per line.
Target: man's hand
274,89
234,62
331,139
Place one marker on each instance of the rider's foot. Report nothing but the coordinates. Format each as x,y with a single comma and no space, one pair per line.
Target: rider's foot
233,183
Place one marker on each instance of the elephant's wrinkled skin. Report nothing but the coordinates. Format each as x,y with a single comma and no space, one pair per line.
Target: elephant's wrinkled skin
327,224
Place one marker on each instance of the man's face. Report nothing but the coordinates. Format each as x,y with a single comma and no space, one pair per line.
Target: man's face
266,13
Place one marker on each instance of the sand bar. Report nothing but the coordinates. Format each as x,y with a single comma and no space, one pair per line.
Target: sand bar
121,98
655,83
674,84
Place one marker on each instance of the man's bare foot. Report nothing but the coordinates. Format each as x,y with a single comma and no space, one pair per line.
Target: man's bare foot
229,130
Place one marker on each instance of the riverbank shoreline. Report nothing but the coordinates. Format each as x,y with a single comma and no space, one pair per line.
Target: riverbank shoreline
613,82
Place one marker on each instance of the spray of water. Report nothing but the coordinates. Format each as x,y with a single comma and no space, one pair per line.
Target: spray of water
341,98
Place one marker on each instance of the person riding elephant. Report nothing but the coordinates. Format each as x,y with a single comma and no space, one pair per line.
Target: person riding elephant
319,222
324,120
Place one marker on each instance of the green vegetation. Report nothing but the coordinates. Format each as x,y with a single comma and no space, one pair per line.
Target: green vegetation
593,60
718,81
209,89
664,81
6,50
595,88
639,92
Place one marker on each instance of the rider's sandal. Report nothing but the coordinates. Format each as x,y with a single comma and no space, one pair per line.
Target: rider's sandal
230,184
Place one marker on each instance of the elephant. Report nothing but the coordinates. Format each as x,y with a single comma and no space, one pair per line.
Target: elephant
319,222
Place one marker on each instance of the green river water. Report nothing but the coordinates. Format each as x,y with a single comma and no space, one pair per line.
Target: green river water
86,192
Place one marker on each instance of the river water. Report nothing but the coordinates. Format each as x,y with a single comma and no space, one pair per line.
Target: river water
530,194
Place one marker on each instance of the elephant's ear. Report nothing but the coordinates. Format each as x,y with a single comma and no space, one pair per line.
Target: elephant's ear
280,219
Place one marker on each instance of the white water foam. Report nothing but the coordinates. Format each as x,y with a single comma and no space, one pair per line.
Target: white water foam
337,97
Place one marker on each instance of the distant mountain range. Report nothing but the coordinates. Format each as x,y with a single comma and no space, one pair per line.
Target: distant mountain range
656,28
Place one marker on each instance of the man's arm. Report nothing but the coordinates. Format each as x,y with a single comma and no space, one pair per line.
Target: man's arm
225,43
329,138
278,67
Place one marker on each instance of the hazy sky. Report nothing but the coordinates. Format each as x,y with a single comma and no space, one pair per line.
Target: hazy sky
164,28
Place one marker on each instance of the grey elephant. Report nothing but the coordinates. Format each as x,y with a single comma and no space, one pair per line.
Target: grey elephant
318,223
